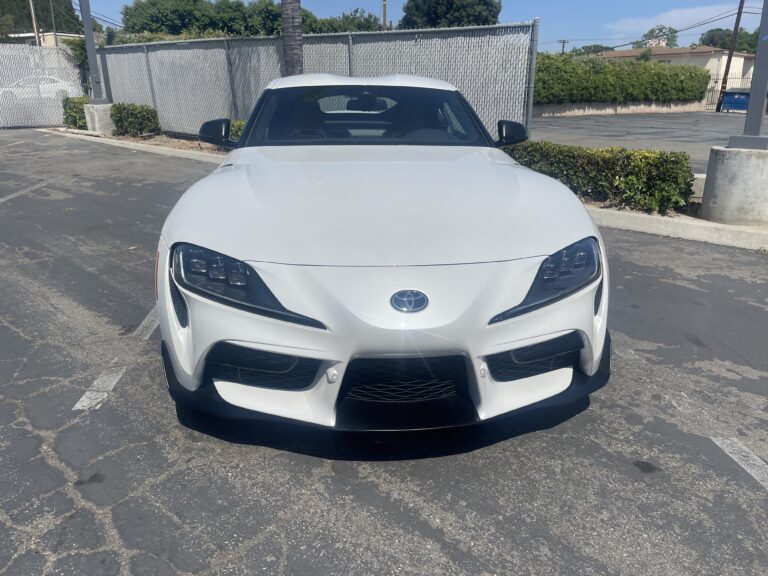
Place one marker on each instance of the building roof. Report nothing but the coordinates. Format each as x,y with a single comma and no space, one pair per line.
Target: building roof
45,34
331,80
665,51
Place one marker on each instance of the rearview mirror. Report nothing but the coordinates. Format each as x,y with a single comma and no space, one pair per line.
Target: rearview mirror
366,105
511,132
216,132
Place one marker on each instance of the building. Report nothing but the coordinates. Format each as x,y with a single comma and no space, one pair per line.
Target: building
707,57
47,39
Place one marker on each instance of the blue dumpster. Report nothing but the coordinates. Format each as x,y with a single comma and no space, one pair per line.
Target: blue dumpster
736,99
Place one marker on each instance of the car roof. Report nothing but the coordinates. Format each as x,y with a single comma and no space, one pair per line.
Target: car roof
332,80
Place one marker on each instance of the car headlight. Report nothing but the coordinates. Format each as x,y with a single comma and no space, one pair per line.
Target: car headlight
229,281
560,275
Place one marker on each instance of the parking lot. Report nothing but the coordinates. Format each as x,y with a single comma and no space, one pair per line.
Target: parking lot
692,132
660,472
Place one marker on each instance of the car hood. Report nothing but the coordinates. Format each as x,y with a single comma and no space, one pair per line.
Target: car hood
377,206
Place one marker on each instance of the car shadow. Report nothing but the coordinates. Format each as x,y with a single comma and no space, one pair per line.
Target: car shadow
406,445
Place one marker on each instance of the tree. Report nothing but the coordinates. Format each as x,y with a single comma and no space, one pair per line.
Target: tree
15,16
166,16
591,49
208,18
644,56
6,27
449,13
293,41
658,36
721,38
227,16
358,20
263,18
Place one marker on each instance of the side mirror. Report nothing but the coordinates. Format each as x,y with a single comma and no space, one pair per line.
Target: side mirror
511,133
216,132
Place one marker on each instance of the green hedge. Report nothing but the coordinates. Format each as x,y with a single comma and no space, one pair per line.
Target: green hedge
134,120
565,79
74,112
646,180
236,129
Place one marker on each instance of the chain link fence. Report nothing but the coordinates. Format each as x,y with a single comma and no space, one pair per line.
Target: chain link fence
194,81
713,90
33,82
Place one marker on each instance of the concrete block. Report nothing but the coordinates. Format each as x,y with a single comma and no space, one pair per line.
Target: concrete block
98,119
736,189
699,181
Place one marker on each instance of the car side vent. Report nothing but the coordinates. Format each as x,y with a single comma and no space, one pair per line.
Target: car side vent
179,305
598,298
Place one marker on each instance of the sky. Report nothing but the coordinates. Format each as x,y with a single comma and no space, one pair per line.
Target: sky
610,22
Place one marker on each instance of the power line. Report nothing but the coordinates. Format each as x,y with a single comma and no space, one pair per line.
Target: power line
99,17
632,39
666,35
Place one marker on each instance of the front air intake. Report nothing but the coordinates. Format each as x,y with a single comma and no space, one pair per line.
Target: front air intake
561,352
232,363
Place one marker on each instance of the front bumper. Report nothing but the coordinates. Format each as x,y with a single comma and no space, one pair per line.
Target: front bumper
206,399
354,304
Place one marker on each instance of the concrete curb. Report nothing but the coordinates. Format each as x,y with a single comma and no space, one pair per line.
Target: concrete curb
210,157
677,226
684,227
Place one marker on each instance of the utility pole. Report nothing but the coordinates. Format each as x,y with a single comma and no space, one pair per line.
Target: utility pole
90,50
758,94
384,14
731,50
34,22
53,23
563,43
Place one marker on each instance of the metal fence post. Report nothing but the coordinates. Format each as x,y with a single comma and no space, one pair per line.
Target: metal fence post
149,76
532,73
105,74
350,55
233,96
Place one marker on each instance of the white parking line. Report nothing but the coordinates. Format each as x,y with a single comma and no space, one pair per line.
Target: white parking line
745,458
24,191
109,378
12,144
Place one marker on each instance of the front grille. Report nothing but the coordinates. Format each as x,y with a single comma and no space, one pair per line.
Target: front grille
179,305
404,380
242,365
561,352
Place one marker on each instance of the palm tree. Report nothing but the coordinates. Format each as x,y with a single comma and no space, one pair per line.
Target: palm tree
293,41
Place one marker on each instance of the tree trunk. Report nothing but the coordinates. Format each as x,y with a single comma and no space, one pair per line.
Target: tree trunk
293,41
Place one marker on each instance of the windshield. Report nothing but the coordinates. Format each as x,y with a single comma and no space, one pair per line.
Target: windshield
364,115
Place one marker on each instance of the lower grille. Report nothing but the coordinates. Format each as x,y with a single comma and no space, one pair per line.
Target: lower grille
561,352
242,365
404,380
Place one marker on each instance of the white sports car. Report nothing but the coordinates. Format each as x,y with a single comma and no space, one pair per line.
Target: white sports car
366,258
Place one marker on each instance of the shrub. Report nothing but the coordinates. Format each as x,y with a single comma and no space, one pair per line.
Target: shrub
565,79
74,112
134,120
236,129
646,180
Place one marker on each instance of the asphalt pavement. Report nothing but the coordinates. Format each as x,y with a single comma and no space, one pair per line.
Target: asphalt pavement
662,471
692,132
